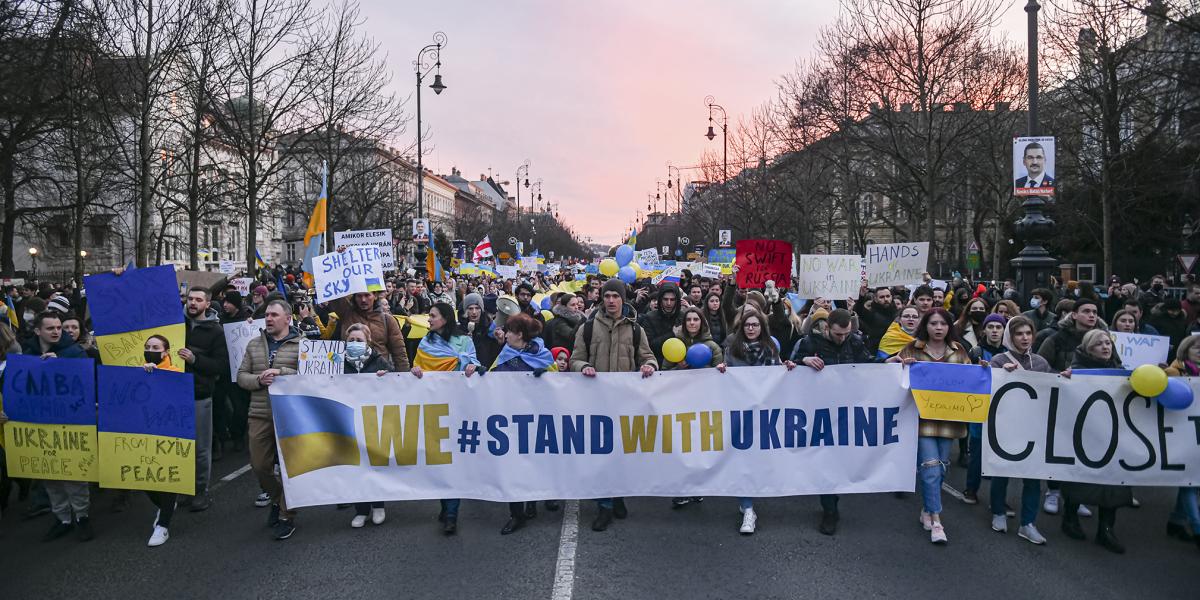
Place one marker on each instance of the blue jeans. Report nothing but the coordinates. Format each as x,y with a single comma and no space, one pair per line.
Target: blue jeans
933,456
1031,493
974,456
746,503
450,507
1186,509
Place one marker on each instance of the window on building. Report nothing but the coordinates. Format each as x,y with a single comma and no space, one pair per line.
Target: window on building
291,251
64,237
98,236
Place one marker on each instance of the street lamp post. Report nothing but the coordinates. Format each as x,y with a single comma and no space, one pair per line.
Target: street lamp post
432,52
83,259
33,252
521,170
1033,265
711,103
678,187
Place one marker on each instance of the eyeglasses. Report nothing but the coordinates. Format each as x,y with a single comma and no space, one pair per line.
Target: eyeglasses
751,324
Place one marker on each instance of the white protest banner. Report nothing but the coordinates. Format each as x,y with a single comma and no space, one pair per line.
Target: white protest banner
237,336
370,237
321,357
710,271
243,285
227,267
529,263
648,256
355,269
833,276
1089,429
506,271
1136,349
753,431
896,264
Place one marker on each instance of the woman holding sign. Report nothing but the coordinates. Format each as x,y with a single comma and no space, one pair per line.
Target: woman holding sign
750,345
361,358
936,341
444,349
157,355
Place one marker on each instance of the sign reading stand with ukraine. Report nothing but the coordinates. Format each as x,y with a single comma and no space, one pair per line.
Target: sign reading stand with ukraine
950,392
51,406
147,430
130,307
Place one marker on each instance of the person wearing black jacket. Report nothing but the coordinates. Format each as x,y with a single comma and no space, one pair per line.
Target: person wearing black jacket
875,316
660,323
480,328
837,344
205,356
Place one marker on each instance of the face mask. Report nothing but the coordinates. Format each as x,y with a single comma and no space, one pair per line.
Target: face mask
976,317
1035,302
152,357
356,349
28,317
1076,292
1158,287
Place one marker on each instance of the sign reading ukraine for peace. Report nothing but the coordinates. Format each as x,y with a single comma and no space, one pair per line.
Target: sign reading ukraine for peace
51,406
353,270
950,392
129,308
753,431
147,430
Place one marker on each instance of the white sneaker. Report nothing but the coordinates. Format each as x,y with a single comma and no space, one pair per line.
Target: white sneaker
1053,497
1031,533
1084,511
159,537
926,520
937,533
749,521
1000,524
377,516
263,499
1134,502
358,521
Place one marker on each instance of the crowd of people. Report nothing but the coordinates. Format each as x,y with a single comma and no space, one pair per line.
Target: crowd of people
610,326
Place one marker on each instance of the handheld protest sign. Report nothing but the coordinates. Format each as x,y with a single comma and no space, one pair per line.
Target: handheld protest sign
128,308
896,264
760,261
51,406
829,275
147,430
353,270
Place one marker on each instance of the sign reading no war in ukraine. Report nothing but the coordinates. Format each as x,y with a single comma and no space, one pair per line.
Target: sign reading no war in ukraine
754,431
51,406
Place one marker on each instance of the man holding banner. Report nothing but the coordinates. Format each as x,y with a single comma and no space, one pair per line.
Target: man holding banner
276,352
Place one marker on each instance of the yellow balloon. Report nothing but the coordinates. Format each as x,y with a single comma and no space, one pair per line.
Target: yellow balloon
1148,380
608,267
674,350
547,315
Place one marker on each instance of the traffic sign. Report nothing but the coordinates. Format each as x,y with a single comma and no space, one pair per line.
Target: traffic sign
1187,261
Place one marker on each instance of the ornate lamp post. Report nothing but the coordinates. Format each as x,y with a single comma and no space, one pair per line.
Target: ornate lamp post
710,102
428,59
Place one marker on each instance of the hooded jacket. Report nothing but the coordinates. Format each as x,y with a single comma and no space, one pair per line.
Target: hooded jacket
612,348
875,320
659,325
1059,348
206,339
258,359
386,335
1030,361
703,337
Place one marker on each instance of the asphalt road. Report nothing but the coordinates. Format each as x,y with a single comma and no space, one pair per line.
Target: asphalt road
696,552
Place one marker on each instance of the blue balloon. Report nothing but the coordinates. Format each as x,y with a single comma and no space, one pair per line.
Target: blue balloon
777,344
627,274
624,255
699,355
1177,396
546,303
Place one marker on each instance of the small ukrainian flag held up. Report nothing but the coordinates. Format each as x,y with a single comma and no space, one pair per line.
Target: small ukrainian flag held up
314,433
951,392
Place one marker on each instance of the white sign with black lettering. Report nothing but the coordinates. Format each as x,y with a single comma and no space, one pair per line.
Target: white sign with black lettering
370,237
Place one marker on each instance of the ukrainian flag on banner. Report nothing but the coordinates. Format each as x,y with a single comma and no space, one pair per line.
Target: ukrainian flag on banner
951,392
314,433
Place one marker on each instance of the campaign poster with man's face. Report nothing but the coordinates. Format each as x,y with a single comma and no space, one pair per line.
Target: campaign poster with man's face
420,231
1033,166
725,238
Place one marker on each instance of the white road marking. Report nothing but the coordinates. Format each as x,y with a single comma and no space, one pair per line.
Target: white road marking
564,570
230,477
953,492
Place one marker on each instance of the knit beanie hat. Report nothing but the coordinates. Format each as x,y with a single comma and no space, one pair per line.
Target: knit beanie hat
473,299
613,285
994,318
555,351
60,304
233,298
260,290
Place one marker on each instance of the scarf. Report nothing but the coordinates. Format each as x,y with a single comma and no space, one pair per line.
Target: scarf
755,355
534,354
436,354
893,340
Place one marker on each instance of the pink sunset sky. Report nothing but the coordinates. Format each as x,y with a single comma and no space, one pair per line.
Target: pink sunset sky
598,95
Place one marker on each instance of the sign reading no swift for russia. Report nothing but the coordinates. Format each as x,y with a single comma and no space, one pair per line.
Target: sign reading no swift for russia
759,261
353,270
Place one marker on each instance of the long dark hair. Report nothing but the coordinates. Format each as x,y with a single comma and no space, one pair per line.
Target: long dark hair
448,330
736,342
923,327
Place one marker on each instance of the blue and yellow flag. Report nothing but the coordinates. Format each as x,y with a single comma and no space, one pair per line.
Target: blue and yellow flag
314,235
433,269
12,313
951,392
314,433
258,260
632,241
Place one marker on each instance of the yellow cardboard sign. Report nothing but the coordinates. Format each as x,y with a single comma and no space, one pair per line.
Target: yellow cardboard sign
952,406
136,461
125,349
60,452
